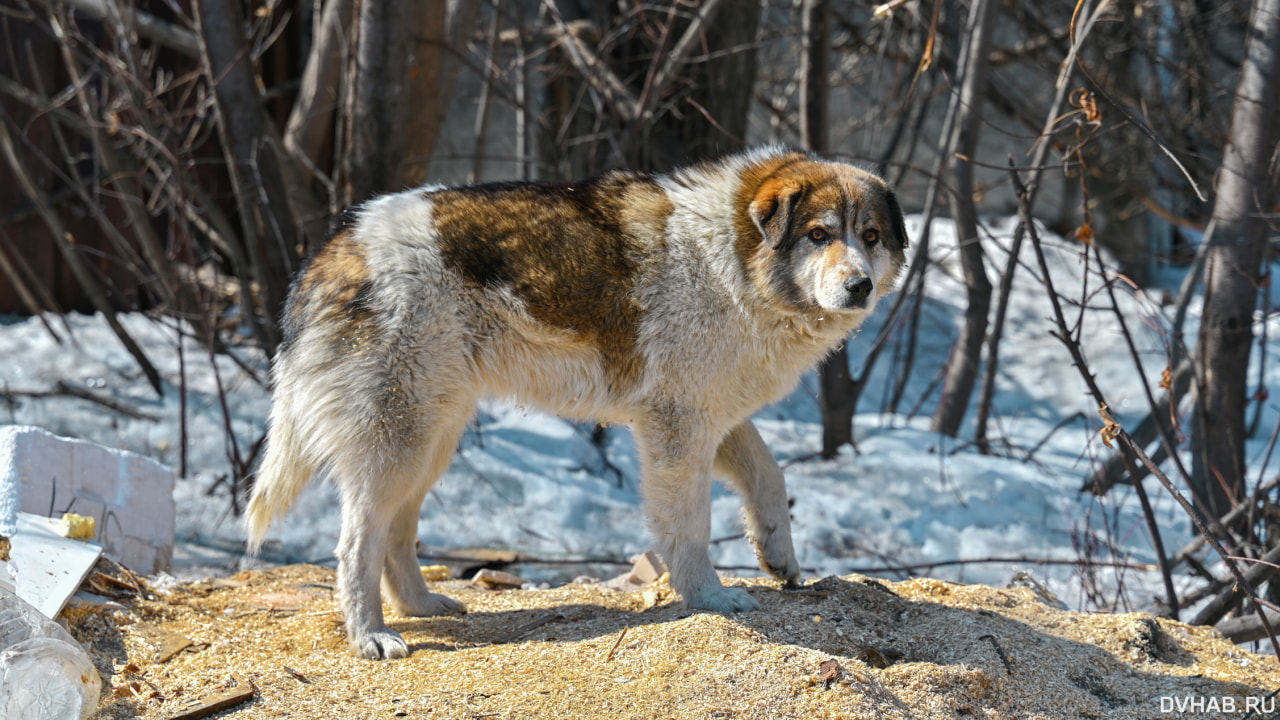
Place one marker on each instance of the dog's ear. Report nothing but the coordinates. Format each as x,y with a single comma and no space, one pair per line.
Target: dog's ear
895,217
773,208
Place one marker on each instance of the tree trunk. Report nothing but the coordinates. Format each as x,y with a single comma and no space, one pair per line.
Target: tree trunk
1246,192
835,387
404,73
271,236
962,366
310,127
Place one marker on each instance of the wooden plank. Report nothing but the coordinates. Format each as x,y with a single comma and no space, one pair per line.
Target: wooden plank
215,702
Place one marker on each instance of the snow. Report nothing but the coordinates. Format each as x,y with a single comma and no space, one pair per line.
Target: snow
528,481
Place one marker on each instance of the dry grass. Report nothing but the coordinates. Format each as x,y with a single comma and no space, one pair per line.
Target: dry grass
918,649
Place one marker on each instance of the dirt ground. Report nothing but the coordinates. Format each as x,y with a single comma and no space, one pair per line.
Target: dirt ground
270,644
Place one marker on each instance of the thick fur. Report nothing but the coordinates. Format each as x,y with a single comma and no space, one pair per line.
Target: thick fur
677,304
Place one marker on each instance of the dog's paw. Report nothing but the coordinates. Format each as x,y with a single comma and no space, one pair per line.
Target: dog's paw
782,565
383,644
429,605
718,598
776,554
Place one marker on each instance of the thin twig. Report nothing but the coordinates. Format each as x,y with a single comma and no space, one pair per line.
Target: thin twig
62,389
617,642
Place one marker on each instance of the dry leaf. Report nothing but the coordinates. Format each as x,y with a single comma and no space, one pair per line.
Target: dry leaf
1111,430
829,671
874,658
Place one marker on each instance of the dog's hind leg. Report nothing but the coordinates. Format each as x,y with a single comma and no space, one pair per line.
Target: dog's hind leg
381,495
677,493
402,583
746,461
370,498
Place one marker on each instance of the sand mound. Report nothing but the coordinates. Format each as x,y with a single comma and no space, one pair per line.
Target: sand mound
270,644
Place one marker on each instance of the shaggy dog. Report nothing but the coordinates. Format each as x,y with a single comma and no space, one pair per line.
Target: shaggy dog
678,304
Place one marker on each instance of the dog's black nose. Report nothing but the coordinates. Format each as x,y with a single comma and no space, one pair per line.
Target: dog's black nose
859,289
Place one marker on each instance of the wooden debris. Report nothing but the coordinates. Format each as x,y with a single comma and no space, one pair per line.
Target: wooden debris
129,682
241,691
165,642
646,568
110,585
617,642
497,580
999,651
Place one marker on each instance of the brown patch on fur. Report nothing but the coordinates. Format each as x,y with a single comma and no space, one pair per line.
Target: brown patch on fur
753,184
333,291
569,251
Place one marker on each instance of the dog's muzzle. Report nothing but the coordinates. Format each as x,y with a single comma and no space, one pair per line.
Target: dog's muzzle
859,289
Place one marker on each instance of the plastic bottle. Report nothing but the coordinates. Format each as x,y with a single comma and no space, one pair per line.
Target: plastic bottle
44,673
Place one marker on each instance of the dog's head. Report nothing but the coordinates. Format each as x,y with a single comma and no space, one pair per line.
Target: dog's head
828,236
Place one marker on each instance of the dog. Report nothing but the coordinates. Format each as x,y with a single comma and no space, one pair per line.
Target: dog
678,304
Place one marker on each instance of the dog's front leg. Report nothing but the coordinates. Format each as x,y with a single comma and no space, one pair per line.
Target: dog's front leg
746,461
677,459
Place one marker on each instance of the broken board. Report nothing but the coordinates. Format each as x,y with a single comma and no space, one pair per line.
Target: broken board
49,567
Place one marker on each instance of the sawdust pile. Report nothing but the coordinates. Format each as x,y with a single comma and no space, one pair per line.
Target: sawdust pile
268,644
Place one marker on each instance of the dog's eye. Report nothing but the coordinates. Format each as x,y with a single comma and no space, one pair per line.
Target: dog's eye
870,237
818,235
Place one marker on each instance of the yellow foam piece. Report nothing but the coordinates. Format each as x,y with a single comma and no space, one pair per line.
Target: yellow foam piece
77,527
435,573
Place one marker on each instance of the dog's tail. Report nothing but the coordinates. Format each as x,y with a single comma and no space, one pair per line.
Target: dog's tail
282,475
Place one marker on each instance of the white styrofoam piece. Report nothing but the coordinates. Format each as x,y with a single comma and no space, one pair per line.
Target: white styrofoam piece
49,567
130,496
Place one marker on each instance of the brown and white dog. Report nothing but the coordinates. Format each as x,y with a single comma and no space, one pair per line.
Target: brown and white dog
677,304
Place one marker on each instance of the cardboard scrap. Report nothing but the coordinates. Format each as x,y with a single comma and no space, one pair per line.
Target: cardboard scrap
49,567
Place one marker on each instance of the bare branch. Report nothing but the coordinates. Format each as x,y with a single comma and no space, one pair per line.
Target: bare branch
149,26
705,14
66,246
594,70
